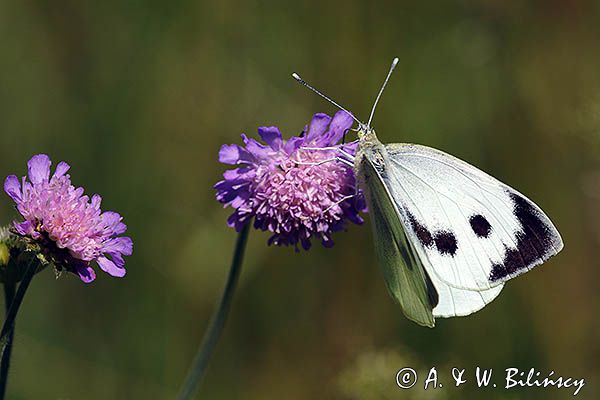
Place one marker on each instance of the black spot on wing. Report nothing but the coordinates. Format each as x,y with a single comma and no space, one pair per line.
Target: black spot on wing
445,242
480,225
534,240
422,233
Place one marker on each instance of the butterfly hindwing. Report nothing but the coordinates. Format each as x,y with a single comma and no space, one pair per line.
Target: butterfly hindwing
455,302
471,231
405,277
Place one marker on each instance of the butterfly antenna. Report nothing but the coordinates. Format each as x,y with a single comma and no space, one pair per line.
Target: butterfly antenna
387,78
303,82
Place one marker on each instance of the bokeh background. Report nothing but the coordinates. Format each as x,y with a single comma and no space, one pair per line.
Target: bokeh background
138,96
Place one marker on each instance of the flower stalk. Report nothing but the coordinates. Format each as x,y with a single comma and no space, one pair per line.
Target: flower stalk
9,294
217,322
7,333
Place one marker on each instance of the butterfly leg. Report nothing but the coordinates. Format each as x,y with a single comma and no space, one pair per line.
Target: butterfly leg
341,201
343,152
349,163
337,148
346,154
298,162
340,159
344,137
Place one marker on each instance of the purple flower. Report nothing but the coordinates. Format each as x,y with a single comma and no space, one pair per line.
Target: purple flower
284,188
68,226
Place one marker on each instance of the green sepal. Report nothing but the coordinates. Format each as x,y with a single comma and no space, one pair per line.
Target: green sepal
16,254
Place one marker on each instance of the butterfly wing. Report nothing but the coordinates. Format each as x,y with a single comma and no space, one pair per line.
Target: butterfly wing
471,231
455,302
404,274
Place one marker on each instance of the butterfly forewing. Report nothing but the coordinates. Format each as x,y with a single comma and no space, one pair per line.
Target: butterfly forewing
448,301
404,274
471,231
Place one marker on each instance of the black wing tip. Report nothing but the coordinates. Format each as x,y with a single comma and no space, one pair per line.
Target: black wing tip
537,241
501,274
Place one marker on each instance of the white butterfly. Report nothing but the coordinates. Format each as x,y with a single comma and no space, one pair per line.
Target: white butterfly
447,234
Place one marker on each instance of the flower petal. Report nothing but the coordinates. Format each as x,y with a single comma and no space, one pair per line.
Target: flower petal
39,168
293,144
61,169
12,187
305,243
121,244
85,272
112,221
117,258
24,228
239,173
341,121
327,242
318,126
258,150
96,201
111,218
120,228
234,154
272,136
110,267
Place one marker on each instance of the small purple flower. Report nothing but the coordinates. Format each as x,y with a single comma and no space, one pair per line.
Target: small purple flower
284,188
68,226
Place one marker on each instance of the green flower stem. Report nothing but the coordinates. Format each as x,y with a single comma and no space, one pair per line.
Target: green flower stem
217,322
6,335
9,294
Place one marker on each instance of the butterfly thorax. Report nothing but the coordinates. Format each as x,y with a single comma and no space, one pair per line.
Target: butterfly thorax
370,149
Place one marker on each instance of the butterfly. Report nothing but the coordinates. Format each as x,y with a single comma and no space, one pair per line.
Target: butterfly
447,235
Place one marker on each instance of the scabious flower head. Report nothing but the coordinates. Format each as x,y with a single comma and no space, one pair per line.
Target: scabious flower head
286,189
68,226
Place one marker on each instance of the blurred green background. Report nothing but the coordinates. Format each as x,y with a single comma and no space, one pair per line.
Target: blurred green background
138,96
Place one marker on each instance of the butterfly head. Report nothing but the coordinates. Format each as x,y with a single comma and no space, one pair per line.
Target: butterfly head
365,132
